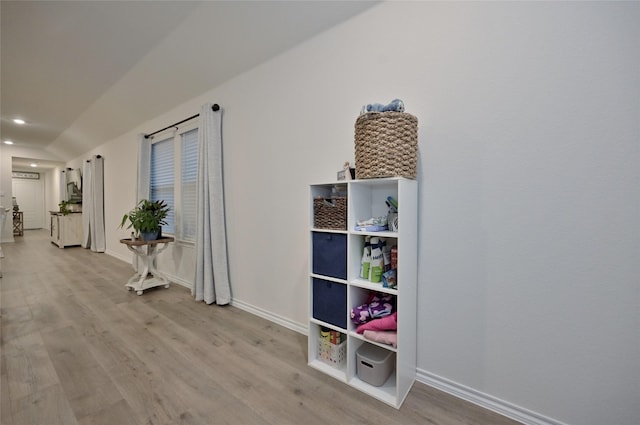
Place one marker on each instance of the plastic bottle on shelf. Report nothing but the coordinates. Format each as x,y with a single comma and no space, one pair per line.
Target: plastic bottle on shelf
377,261
386,255
365,263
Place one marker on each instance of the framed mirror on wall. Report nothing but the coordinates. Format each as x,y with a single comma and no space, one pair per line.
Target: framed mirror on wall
74,185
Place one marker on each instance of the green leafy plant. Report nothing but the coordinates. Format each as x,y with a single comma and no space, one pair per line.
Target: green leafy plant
147,217
64,207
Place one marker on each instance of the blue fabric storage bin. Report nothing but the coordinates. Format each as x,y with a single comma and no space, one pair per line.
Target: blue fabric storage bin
330,302
330,254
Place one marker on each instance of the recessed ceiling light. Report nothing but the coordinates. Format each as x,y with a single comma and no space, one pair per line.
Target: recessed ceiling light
8,142
18,121
34,165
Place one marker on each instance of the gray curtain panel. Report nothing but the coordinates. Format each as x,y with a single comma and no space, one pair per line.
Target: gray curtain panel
211,282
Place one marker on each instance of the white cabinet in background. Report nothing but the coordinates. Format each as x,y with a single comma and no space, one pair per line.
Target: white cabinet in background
65,230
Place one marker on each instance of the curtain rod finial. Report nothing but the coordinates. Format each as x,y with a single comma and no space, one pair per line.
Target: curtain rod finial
215,107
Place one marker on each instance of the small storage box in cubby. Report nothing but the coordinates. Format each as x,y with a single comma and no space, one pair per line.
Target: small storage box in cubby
330,302
330,254
374,364
334,354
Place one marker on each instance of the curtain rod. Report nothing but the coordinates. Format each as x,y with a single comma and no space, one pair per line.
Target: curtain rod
215,107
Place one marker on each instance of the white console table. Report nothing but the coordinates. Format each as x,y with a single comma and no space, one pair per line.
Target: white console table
64,229
147,251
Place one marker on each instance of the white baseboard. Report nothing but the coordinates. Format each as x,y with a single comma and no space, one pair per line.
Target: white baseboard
249,308
126,259
486,401
179,281
283,321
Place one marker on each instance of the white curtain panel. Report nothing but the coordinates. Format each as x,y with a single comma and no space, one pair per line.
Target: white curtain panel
144,184
98,241
211,282
93,205
87,205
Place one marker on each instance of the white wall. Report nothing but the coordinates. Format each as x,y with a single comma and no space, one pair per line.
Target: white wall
529,203
52,189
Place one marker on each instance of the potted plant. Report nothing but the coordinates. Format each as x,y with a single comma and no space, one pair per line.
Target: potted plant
64,207
147,218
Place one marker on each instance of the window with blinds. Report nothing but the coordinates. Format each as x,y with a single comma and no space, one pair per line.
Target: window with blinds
162,171
188,174
174,167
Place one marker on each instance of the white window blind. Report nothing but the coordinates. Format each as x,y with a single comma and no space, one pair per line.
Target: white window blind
162,179
188,175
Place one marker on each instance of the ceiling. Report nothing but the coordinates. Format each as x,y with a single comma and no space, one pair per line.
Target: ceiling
81,73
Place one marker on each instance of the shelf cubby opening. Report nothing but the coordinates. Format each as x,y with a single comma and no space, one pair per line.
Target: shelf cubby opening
368,200
356,252
385,392
359,297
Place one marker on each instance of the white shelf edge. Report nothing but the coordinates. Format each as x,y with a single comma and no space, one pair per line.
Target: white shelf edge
356,335
373,181
327,325
383,234
329,184
318,229
365,284
329,278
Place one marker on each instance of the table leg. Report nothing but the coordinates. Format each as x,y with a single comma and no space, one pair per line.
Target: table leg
150,276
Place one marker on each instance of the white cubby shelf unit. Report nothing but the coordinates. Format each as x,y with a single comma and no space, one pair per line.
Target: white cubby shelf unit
333,292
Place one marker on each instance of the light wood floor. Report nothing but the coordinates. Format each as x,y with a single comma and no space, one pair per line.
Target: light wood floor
78,348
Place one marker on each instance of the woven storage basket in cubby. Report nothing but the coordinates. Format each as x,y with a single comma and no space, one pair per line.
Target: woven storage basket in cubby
330,213
386,145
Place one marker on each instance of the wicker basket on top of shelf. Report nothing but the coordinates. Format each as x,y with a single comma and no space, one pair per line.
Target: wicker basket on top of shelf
386,145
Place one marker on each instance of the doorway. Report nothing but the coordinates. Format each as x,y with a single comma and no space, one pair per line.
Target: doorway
29,194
